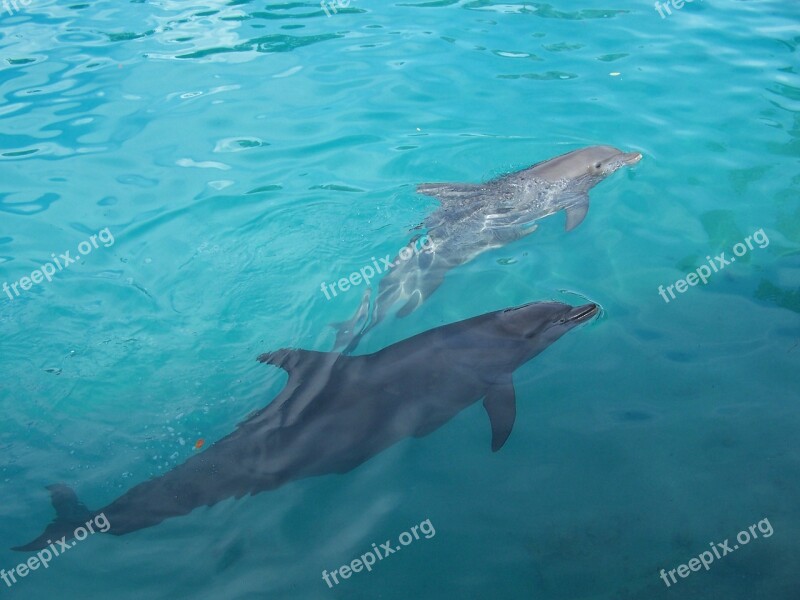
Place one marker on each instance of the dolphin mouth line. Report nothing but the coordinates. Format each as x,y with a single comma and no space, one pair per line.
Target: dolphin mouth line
583,313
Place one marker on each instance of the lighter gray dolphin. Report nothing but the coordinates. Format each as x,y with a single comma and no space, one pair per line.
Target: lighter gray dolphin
338,411
476,217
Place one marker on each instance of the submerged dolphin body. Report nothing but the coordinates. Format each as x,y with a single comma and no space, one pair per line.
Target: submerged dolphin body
476,217
338,411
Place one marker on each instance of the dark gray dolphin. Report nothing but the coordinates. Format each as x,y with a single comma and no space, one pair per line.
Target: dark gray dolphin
338,411
476,217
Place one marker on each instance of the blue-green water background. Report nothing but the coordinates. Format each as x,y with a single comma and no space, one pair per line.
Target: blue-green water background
242,153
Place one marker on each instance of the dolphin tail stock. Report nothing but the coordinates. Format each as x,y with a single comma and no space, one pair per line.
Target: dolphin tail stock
71,513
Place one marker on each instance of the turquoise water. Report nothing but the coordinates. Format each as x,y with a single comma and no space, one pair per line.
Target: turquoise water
242,153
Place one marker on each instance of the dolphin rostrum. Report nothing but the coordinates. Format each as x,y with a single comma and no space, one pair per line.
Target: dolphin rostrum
338,411
475,217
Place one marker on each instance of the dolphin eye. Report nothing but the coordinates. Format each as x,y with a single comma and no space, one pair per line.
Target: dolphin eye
598,165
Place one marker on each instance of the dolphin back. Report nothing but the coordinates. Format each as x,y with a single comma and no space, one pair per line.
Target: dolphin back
445,192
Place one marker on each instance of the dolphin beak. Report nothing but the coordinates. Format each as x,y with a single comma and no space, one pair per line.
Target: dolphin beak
579,314
631,158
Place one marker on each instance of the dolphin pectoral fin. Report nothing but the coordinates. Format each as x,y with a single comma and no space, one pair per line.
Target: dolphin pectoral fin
501,406
506,235
577,213
70,514
427,287
349,332
411,305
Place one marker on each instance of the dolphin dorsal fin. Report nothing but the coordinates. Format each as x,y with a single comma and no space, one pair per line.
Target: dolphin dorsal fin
290,359
301,365
577,213
501,406
447,192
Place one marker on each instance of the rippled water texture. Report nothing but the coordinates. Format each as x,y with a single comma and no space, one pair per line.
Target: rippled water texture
242,153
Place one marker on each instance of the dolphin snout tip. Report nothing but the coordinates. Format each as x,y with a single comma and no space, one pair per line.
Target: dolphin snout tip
579,314
632,158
